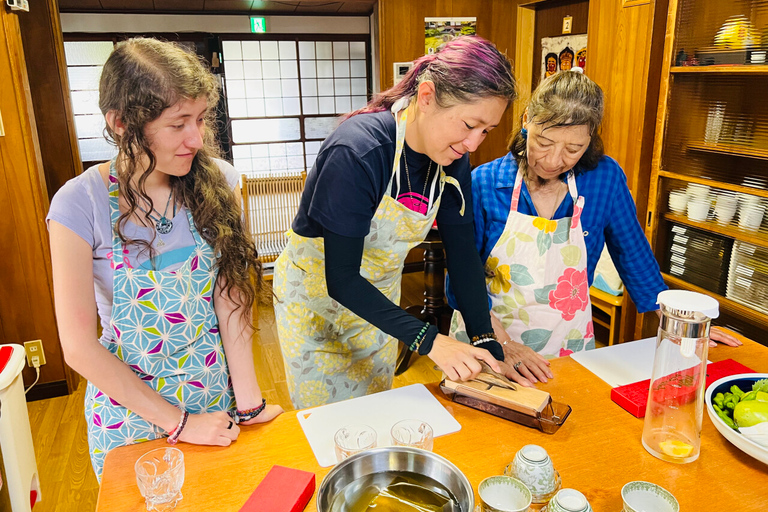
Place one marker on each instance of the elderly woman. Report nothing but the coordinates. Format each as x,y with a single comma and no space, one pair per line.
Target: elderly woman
542,214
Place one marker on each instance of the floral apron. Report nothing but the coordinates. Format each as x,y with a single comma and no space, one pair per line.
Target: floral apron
165,328
330,353
536,276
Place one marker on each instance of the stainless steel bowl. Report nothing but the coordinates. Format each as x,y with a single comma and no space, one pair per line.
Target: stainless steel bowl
396,458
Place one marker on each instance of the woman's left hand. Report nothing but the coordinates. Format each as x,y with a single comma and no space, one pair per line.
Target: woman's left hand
524,364
723,336
270,412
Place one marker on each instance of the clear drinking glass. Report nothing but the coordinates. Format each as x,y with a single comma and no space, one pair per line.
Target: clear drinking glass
160,475
672,425
352,439
415,433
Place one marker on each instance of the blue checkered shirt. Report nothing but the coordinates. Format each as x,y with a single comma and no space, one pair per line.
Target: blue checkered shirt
609,217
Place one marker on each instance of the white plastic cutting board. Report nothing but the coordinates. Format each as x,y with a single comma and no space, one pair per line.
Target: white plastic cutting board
380,411
622,363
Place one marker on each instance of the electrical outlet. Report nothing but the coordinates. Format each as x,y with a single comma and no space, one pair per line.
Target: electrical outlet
34,350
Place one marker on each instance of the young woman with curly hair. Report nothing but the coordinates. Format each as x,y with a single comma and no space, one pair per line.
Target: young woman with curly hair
153,242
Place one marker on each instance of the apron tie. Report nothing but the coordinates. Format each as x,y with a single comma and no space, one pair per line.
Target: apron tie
452,181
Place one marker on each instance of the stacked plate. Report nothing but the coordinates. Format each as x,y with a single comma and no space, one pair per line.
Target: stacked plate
699,257
748,276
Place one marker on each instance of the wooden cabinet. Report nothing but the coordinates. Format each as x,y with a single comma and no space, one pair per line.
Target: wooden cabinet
708,198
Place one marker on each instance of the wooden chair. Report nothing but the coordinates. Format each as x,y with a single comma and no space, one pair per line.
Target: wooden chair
270,203
610,305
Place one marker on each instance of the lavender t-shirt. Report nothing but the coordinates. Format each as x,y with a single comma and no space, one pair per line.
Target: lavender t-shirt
82,205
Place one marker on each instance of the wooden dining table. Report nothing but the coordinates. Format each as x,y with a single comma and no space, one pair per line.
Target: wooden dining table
596,451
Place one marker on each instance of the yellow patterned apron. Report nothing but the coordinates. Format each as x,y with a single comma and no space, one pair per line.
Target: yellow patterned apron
330,353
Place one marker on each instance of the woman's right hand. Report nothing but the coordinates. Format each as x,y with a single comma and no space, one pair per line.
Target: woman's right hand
460,361
211,428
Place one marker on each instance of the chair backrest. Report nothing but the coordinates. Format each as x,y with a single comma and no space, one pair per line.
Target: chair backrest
269,204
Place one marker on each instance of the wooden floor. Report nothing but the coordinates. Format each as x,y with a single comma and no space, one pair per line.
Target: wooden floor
67,480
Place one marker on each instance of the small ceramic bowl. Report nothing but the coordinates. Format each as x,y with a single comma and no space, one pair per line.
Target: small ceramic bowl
644,496
503,494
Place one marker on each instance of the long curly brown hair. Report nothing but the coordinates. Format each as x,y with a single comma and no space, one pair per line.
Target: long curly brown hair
141,78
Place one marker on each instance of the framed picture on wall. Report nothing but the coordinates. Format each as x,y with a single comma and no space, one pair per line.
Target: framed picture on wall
562,53
438,31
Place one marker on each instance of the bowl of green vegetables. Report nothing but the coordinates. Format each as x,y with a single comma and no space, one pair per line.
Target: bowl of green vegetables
738,407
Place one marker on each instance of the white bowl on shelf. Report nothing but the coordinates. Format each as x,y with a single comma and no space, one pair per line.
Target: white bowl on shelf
736,438
698,209
724,215
678,201
751,216
698,191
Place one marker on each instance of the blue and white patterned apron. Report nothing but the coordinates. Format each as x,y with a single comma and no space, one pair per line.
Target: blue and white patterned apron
164,327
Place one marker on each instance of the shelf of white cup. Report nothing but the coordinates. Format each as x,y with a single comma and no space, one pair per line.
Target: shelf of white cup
731,230
745,69
726,304
714,183
729,149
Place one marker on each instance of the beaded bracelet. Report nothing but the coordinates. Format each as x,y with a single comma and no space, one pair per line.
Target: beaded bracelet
249,414
173,435
483,338
413,347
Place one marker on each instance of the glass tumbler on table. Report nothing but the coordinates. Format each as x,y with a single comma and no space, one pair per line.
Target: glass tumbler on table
672,425
414,433
160,475
353,439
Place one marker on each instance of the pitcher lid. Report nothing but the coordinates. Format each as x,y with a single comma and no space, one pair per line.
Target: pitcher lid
684,300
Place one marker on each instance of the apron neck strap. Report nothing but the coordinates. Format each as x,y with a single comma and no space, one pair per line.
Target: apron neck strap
570,178
402,122
114,216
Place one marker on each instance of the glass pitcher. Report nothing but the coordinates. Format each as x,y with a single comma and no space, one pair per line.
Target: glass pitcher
672,428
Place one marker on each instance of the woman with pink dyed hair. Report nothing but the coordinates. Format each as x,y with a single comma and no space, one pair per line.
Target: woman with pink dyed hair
377,186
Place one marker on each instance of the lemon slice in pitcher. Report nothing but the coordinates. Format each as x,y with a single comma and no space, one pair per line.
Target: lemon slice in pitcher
675,448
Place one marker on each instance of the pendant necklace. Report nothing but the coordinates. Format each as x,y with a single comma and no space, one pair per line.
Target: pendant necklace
408,177
163,224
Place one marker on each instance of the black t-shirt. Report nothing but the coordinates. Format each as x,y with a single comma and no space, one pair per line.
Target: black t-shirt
354,166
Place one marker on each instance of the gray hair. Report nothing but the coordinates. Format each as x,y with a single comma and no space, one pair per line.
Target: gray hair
566,98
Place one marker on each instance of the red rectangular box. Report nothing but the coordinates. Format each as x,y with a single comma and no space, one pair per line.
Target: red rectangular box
634,397
282,490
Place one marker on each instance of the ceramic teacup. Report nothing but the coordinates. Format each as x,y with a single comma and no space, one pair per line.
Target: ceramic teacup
503,494
751,216
534,468
727,201
724,215
698,209
678,200
698,191
569,500
645,496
